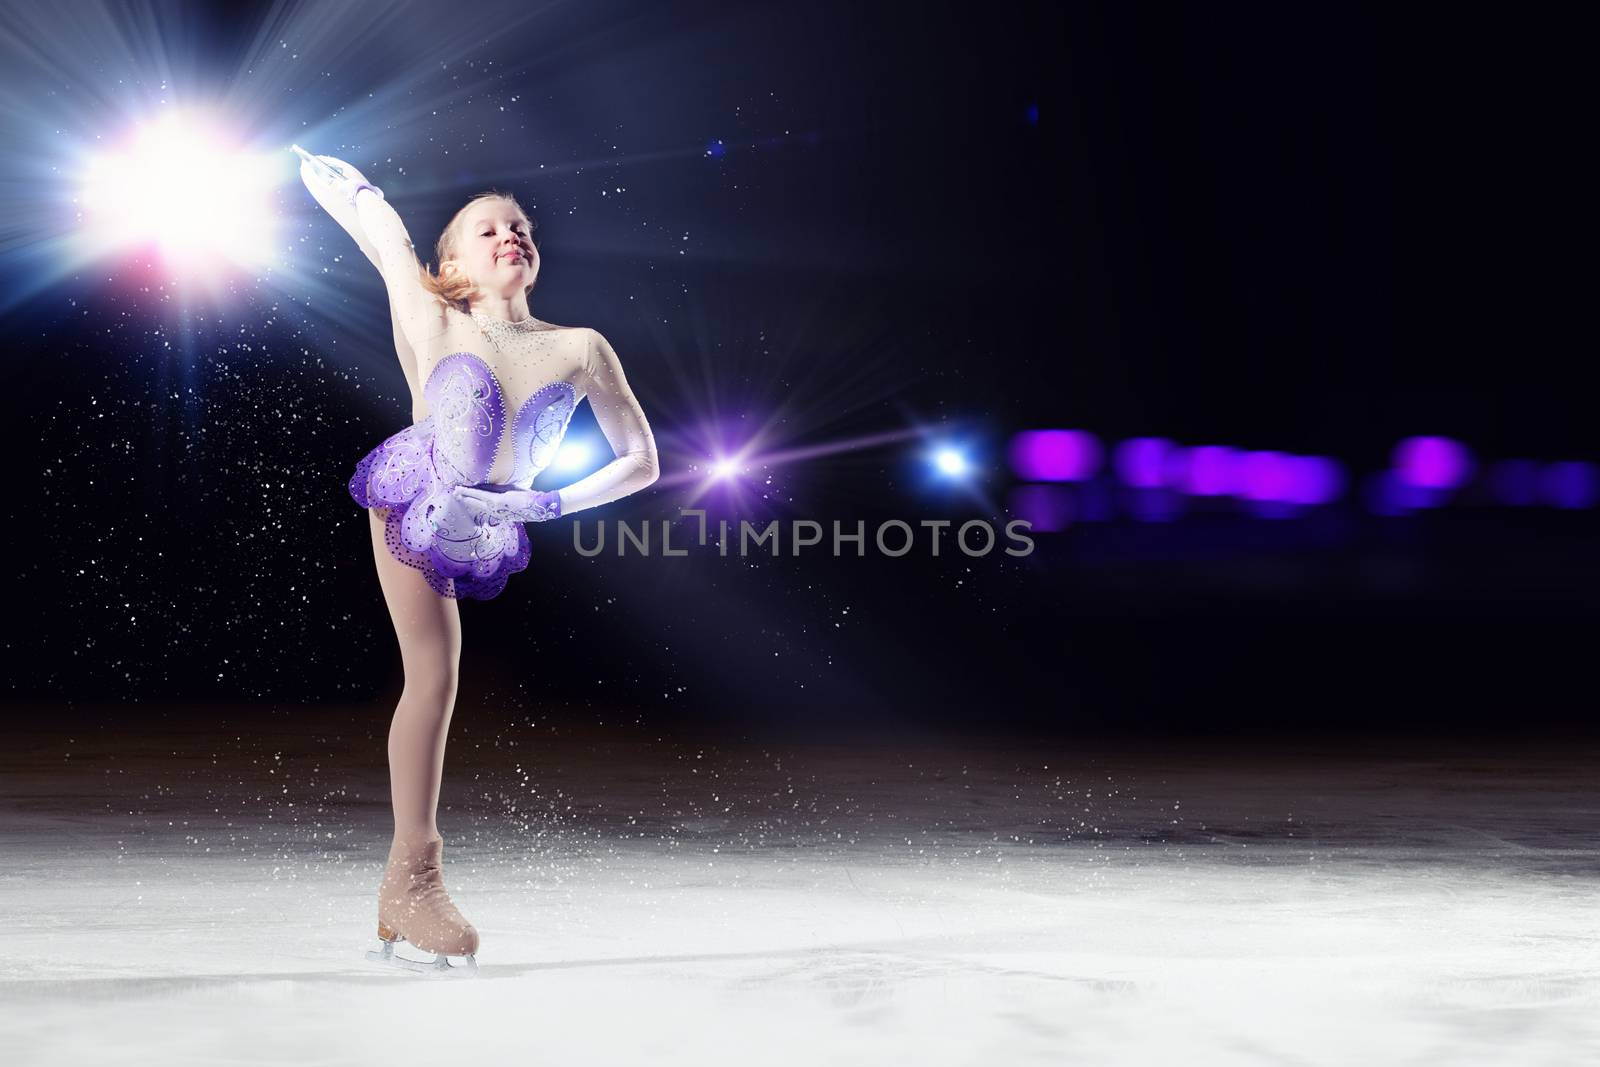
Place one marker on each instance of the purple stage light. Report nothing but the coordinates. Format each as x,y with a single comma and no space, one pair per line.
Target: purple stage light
1055,455
1205,470
1047,507
1141,462
1571,484
1266,475
1432,462
1515,482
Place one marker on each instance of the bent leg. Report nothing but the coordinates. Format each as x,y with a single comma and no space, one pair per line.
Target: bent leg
428,627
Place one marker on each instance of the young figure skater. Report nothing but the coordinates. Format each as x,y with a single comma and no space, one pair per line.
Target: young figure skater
447,502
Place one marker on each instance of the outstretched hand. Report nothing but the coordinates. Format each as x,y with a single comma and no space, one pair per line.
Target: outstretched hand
333,174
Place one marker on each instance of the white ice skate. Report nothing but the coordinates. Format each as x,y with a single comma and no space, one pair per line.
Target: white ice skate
439,967
414,907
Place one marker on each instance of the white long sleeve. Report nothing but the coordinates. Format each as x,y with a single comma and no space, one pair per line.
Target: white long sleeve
419,313
627,430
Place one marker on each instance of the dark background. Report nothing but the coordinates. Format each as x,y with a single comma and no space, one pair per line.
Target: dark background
1315,231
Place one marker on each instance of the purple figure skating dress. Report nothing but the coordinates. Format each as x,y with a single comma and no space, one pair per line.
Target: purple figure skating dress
413,472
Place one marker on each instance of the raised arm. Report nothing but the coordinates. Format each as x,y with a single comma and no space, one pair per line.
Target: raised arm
419,314
359,208
627,430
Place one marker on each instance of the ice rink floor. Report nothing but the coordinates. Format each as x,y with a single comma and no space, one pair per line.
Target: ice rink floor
188,895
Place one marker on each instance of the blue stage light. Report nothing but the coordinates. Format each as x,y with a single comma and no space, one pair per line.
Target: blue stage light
950,462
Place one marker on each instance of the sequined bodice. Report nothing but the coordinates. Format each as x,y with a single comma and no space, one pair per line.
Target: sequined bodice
469,421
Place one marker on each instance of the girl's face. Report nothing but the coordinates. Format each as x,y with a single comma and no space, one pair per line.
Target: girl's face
495,248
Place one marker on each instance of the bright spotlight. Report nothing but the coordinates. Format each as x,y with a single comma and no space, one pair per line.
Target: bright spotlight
572,455
724,469
950,462
180,185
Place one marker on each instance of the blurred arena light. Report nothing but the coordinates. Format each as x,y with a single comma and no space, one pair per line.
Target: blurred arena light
1055,455
1432,462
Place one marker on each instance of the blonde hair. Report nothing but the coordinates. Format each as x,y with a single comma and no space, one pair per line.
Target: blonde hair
456,288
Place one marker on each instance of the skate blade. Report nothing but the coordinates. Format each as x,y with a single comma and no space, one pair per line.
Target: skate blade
439,967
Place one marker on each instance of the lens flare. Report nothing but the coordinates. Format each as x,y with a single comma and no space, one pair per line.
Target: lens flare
182,187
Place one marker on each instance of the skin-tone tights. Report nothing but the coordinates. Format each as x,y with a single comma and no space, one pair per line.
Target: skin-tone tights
429,629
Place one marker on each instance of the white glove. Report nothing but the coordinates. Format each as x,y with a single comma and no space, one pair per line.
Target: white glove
513,505
333,175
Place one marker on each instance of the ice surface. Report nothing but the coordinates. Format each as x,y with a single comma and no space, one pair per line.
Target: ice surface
189,897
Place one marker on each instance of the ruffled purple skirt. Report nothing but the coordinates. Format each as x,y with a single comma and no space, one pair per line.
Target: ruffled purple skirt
401,475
